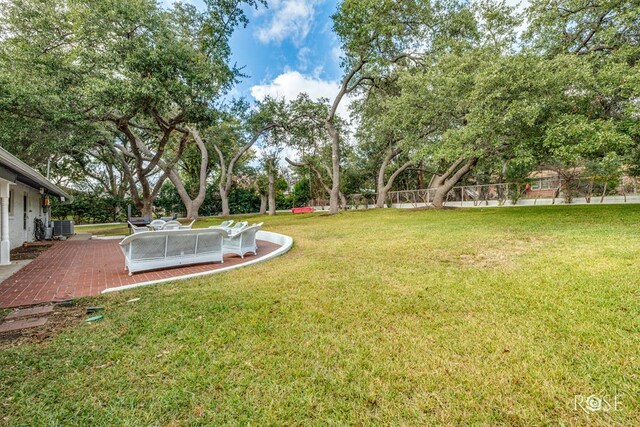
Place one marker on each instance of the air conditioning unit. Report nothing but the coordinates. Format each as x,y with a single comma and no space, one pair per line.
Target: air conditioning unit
48,233
63,228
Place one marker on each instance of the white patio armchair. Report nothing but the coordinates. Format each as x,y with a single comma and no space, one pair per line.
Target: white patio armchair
156,224
171,225
223,225
171,248
239,226
242,242
137,229
188,226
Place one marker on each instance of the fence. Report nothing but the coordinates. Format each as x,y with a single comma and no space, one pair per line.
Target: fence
539,190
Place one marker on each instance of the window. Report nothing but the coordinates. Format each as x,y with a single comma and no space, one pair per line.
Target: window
11,202
25,211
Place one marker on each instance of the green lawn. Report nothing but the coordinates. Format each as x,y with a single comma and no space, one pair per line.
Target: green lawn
456,317
104,230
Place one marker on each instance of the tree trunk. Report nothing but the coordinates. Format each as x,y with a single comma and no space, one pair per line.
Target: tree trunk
226,171
335,137
192,205
272,192
604,192
440,195
381,193
317,172
380,198
263,204
193,208
334,195
382,186
145,165
225,201
146,210
589,191
445,185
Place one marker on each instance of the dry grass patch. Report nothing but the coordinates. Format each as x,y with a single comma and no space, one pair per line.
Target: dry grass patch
506,253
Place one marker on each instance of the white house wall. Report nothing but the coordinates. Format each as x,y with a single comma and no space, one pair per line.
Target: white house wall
17,233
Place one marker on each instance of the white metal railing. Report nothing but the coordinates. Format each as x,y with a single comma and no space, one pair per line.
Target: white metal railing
588,189
591,189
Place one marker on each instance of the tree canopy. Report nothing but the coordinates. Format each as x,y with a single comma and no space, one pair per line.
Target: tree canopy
125,96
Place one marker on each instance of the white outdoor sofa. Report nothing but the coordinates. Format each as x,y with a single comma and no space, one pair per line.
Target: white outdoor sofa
163,249
242,242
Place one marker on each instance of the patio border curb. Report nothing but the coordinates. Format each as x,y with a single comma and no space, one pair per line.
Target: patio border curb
284,241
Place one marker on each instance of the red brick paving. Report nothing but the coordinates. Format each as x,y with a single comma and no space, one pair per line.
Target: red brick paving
79,268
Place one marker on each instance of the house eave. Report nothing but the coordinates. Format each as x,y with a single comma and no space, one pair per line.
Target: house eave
12,167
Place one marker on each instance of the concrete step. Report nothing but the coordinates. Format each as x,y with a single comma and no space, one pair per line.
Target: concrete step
28,312
16,325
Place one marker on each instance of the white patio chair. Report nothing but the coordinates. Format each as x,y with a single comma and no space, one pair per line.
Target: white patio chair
137,229
239,226
242,242
156,224
224,224
188,226
171,225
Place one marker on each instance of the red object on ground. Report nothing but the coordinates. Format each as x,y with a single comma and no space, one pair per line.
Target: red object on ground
79,268
302,210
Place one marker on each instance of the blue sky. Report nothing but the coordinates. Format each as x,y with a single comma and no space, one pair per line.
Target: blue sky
287,48
289,36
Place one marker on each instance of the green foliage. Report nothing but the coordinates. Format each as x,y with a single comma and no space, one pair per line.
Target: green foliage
301,192
243,201
573,140
582,26
517,173
169,200
92,208
118,74
378,32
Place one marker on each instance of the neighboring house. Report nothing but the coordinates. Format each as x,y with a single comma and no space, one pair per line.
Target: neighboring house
24,195
543,183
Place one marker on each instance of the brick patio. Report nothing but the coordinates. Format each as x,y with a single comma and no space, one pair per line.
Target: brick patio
77,268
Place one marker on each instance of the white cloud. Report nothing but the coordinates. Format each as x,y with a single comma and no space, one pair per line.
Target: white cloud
290,84
290,18
303,58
